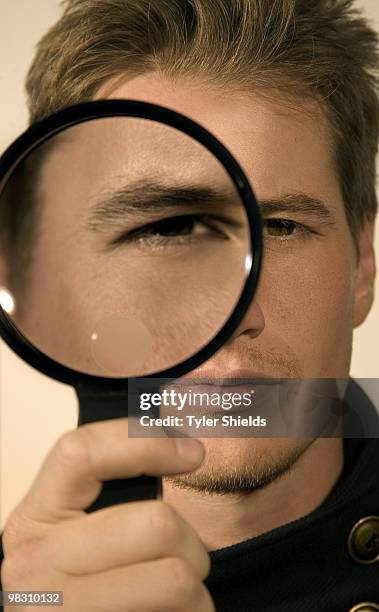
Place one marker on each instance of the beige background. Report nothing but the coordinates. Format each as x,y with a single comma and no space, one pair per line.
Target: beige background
34,411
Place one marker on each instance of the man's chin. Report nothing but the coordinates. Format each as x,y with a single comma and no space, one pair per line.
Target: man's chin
241,465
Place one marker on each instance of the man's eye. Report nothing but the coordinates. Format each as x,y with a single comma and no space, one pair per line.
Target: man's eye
175,226
176,231
284,228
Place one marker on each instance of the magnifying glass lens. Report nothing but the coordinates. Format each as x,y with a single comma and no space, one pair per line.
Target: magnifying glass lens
132,247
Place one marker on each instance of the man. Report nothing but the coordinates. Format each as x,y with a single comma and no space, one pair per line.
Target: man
289,523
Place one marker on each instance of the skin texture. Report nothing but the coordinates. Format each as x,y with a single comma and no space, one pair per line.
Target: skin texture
312,294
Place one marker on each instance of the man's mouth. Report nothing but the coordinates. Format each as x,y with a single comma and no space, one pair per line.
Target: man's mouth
238,390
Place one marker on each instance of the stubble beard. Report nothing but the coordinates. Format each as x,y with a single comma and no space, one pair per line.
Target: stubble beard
242,475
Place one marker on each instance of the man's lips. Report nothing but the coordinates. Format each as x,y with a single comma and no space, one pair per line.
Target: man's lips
290,407
232,383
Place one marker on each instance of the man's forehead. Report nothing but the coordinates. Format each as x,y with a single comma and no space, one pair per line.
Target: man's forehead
261,129
217,106
281,149
277,136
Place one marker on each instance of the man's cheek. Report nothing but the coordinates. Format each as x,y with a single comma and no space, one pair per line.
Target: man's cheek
310,310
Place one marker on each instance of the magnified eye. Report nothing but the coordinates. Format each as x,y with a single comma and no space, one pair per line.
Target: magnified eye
178,231
193,226
175,226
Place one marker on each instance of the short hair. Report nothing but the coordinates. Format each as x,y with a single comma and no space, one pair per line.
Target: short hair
323,49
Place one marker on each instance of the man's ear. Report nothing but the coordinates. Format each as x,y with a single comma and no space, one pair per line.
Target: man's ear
364,290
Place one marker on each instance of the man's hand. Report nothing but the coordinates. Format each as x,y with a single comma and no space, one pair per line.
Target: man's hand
134,557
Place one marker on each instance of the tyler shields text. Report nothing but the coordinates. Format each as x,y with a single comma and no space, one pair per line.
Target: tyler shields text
203,421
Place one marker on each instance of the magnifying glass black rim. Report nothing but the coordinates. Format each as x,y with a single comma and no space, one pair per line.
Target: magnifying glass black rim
74,115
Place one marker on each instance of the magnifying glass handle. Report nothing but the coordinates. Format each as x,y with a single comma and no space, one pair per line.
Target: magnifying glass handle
102,405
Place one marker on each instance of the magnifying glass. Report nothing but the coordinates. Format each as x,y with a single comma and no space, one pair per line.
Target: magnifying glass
132,248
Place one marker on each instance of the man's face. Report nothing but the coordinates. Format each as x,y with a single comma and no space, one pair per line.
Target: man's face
310,294
305,309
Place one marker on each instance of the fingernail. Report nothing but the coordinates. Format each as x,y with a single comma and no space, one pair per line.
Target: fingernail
190,449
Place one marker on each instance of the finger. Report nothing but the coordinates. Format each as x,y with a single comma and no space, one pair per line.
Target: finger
122,535
166,585
70,478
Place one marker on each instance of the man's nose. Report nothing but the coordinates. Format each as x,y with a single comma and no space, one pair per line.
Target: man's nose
253,322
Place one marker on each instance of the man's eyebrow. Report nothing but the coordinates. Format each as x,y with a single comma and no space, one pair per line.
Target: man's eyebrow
298,203
142,198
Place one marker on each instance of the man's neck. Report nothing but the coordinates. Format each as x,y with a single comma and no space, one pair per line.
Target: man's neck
224,520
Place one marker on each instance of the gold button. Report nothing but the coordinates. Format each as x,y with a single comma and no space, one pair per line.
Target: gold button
363,543
365,607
